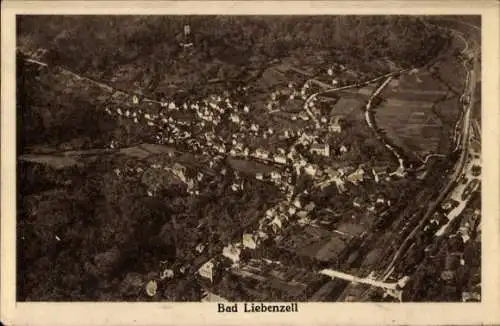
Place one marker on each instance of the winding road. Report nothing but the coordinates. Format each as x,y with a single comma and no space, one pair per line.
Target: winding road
459,168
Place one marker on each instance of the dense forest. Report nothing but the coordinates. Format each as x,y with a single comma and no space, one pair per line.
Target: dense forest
127,233
104,42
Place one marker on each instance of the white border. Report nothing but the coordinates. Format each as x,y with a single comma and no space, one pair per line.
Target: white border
487,312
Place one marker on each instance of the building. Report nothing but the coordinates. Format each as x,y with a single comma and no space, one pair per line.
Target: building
188,40
320,149
179,171
356,177
207,270
200,247
297,203
234,118
309,169
275,175
208,296
232,252
167,274
356,202
261,153
249,241
309,207
276,224
280,159
336,124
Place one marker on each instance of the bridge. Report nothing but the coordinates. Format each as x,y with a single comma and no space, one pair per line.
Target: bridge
391,289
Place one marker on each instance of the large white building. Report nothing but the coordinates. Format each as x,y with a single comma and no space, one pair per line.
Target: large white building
207,270
320,149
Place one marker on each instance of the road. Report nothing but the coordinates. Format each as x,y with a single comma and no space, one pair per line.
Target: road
465,123
106,87
370,120
459,169
392,289
313,96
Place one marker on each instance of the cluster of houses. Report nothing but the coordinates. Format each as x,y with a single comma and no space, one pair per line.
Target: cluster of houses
178,170
214,110
209,113
269,226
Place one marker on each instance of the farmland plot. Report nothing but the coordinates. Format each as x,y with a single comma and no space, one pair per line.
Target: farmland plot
407,113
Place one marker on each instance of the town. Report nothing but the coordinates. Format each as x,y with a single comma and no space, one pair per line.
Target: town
316,143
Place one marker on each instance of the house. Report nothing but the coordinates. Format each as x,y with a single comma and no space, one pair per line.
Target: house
320,149
303,218
471,296
167,274
135,99
262,235
375,176
336,124
207,270
232,252
340,184
309,169
200,247
309,207
270,212
234,118
275,175
356,202
275,224
280,159
261,153
356,177
249,241
297,203
211,297
179,171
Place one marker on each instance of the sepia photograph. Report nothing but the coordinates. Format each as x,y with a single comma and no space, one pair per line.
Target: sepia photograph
255,162
249,158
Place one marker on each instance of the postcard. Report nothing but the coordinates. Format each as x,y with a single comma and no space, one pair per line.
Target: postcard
269,162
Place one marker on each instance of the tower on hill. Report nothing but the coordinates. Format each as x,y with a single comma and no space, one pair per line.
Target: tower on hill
188,38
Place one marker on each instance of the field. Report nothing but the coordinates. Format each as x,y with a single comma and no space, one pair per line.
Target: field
411,113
